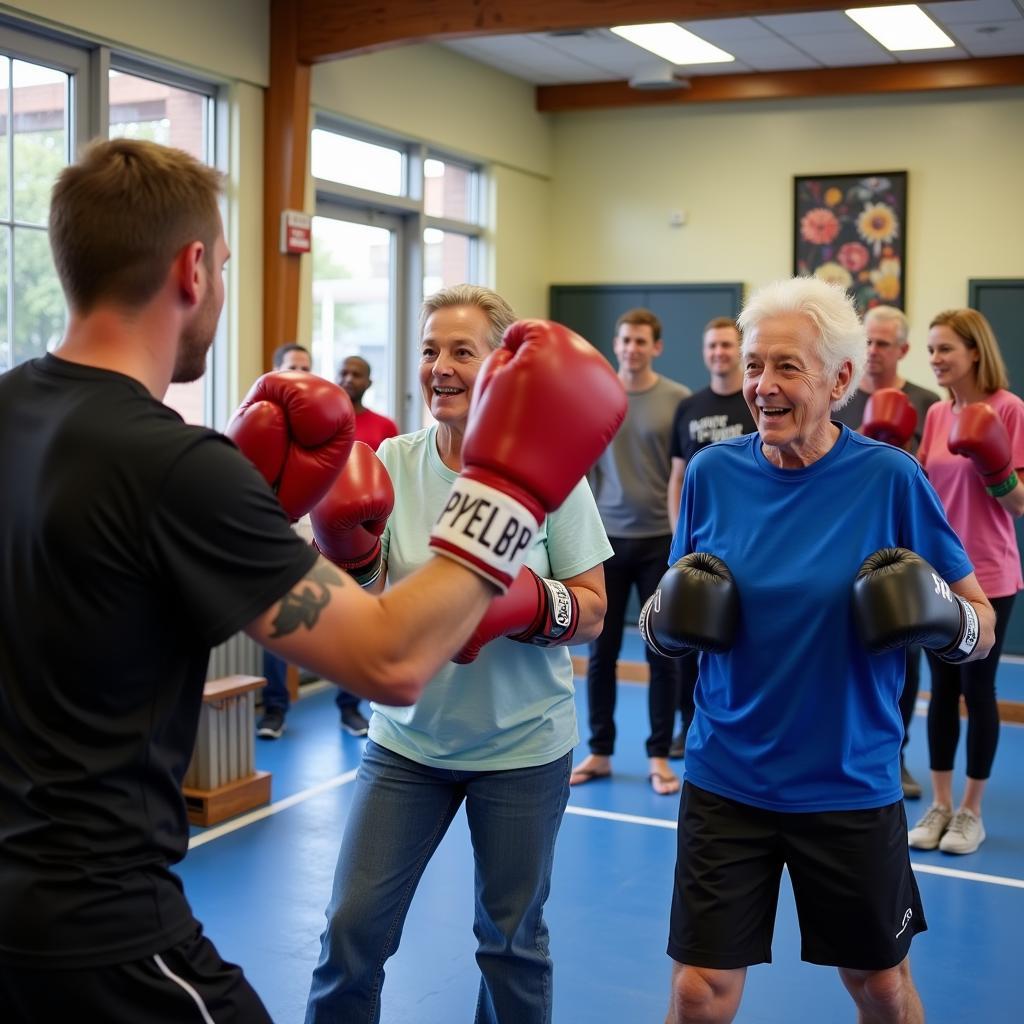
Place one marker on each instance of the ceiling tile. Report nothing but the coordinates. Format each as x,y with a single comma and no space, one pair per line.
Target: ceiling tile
790,25
526,58
599,49
828,47
970,11
978,42
780,58
722,31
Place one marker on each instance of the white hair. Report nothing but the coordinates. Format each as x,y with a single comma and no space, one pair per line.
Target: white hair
498,312
840,334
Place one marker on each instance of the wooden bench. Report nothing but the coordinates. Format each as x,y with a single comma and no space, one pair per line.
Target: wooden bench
222,780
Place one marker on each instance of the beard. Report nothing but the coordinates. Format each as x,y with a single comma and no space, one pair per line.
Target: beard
195,342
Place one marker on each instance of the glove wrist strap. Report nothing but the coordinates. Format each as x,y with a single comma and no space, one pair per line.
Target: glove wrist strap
485,530
969,633
1009,484
557,617
369,572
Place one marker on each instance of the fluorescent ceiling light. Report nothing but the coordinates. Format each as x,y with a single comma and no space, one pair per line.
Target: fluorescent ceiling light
673,43
905,27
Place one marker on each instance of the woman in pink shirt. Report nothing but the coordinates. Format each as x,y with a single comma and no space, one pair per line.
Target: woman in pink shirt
972,448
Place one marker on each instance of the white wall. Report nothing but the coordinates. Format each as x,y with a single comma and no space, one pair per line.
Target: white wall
618,174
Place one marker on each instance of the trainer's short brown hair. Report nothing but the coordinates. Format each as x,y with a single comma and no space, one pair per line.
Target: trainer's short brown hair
122,212
640,316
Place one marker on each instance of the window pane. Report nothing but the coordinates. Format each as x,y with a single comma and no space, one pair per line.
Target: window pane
39,314
6,360
352,275
5,178
40,137
360,164
446,260
143,109
448,190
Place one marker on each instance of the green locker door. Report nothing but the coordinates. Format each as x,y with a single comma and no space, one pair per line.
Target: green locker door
1002,302
684,309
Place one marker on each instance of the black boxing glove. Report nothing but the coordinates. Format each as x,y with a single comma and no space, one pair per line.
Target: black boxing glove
899,599
695,608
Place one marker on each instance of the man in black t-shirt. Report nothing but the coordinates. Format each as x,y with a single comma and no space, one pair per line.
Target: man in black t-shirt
713,414
131,544
888,342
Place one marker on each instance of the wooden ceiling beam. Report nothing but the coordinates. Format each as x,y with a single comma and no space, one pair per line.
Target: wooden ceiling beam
329,29
851,81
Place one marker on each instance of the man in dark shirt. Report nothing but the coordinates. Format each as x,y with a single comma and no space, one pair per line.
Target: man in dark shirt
131,544
888,343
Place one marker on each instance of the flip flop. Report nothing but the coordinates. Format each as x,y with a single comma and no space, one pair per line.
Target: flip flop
585,775
672,781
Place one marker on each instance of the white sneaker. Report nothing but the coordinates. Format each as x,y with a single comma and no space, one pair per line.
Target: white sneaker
925,835
964,834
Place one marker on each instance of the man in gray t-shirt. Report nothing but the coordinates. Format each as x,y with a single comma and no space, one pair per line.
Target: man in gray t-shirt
630,483
888,332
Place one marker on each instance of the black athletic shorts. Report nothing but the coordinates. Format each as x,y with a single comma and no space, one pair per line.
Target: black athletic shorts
186,984
856,895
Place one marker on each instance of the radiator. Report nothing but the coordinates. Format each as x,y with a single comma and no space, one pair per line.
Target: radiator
224,741
238,656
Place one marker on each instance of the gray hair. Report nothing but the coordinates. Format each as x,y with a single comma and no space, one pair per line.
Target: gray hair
840,335
890,315
498,312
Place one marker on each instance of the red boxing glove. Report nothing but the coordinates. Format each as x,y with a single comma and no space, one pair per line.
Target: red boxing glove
297,429
348,522
544,407
534,611
889,416
979,434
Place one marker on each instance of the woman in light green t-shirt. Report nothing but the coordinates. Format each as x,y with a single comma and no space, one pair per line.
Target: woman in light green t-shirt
496,733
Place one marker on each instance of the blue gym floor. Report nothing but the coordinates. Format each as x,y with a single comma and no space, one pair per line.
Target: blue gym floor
259,884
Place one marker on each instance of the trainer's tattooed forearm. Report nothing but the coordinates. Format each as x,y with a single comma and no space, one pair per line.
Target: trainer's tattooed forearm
302,605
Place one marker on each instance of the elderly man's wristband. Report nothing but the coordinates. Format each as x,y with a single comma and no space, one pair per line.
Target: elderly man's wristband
998,490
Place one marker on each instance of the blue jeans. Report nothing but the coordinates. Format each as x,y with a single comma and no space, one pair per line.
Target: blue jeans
275,693
400,813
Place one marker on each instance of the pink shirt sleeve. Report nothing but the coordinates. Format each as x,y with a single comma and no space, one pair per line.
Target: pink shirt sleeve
985,527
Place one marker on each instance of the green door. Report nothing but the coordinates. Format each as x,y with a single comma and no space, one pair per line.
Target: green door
1002,302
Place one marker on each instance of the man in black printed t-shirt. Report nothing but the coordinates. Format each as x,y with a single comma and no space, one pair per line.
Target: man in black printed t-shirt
713,414
131,544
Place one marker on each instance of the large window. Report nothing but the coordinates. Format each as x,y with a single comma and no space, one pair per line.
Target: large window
396,220
52,101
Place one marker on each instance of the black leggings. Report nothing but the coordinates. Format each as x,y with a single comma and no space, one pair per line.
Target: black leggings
977,682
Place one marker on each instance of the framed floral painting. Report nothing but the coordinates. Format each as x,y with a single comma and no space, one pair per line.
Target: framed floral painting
852,229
